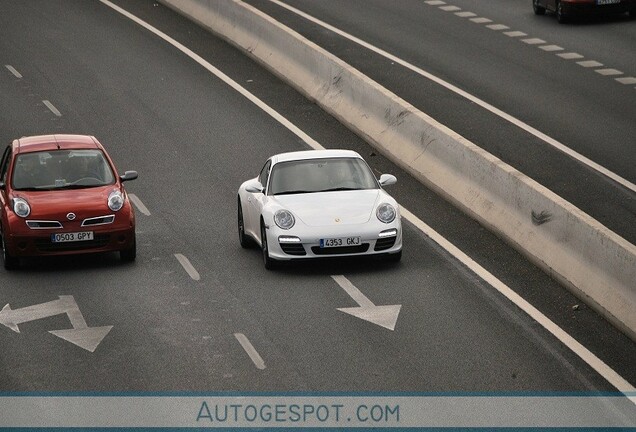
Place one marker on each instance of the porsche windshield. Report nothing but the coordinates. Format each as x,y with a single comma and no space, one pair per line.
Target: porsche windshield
320,175
61,169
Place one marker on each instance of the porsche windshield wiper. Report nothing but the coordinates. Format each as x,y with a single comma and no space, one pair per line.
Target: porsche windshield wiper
338,189
294,192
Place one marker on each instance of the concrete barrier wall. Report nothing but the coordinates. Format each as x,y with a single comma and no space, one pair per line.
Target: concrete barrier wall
598,265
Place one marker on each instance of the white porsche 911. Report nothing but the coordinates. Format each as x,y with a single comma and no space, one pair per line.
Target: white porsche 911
319,203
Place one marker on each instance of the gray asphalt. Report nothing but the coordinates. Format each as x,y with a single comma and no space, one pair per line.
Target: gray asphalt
193,141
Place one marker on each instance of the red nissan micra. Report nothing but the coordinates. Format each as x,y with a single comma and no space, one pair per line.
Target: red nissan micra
59,195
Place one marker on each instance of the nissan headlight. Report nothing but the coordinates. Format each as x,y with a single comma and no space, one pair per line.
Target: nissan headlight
115,200
284,219
21,207
386,213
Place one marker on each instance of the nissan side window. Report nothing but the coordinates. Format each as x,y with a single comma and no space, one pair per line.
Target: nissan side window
264,175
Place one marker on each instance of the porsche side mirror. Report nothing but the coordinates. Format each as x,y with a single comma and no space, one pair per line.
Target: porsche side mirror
129,175
255,187
387,179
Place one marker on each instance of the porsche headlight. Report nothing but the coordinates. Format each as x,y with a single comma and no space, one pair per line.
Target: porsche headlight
284,219
386,213
21,207
115,200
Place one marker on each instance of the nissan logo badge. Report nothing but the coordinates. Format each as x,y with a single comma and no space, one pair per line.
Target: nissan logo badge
70,216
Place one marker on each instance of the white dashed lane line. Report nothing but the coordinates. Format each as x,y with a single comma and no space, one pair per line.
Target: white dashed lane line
570,56
516,33
543,45
137,202
188,267
551,48
52,108
250,350
13,71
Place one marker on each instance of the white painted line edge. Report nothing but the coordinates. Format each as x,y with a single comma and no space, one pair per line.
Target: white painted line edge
13,71
250,350
137,202
188,267
597,364
52,108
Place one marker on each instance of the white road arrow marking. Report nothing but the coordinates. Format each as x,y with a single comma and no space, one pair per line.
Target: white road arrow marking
384,316
81,335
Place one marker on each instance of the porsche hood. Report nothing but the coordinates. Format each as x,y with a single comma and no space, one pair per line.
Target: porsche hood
332,208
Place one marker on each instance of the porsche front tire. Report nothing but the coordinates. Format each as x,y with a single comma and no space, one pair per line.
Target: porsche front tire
269,262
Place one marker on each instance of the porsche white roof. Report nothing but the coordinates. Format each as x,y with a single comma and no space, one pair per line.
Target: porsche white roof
313,154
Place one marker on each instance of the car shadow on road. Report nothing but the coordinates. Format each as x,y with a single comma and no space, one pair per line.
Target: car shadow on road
72,263
338,265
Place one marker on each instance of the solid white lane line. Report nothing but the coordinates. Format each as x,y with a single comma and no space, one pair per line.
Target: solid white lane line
140,206
13,71
586,355
599,366
529,129
188,267
223,77
52,108
250,350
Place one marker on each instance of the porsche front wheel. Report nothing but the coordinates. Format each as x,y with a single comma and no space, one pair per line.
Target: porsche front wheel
269,262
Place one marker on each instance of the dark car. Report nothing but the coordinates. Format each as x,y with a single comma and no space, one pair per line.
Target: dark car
566,9
59,195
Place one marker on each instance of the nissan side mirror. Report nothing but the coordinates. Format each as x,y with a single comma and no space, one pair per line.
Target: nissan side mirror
129,175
